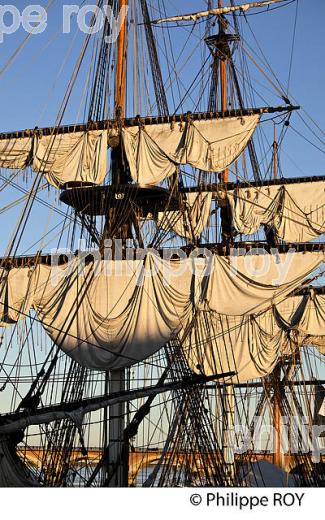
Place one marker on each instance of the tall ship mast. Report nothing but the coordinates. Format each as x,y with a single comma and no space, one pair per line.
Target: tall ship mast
172,309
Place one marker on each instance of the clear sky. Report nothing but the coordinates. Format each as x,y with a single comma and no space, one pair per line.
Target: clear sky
32,88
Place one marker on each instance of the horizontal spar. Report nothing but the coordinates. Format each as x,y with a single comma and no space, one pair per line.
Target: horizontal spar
10,423
239,248
138,120
217,11
217,187
262,384
16,421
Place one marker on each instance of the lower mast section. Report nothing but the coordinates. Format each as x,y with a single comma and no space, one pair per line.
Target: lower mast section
277,455
117,464
229,404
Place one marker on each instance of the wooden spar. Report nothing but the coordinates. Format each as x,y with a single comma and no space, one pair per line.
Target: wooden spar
277,456
240,248
229,406
16,421
223,82
253,184
229,392
117,464
262,384
223,69
192,17
121,64
277,431
135,121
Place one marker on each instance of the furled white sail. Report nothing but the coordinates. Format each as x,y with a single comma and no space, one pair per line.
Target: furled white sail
79,156
111,314
247,284
251,345
296,211
62,158
16,153
16,295
312,324
190,222
154,151
247,345
216,11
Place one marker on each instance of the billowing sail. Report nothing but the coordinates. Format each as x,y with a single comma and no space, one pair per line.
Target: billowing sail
154,151
295,211
190,222
311,327
115,314
111,314
63,158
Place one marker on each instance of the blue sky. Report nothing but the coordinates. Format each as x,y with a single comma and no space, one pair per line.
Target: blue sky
31,89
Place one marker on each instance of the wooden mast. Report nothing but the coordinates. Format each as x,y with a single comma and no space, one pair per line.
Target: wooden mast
120,81
117,467
229,401
119,167
228,428
277,455
223,85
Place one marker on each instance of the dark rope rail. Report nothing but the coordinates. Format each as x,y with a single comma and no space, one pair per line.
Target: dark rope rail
252,184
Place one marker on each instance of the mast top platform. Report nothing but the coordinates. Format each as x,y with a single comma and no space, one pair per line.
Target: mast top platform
98,200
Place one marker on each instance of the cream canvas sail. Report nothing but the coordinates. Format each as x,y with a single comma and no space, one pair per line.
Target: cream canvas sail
252,345
111,314
154,151
62,158
190,222
296,211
